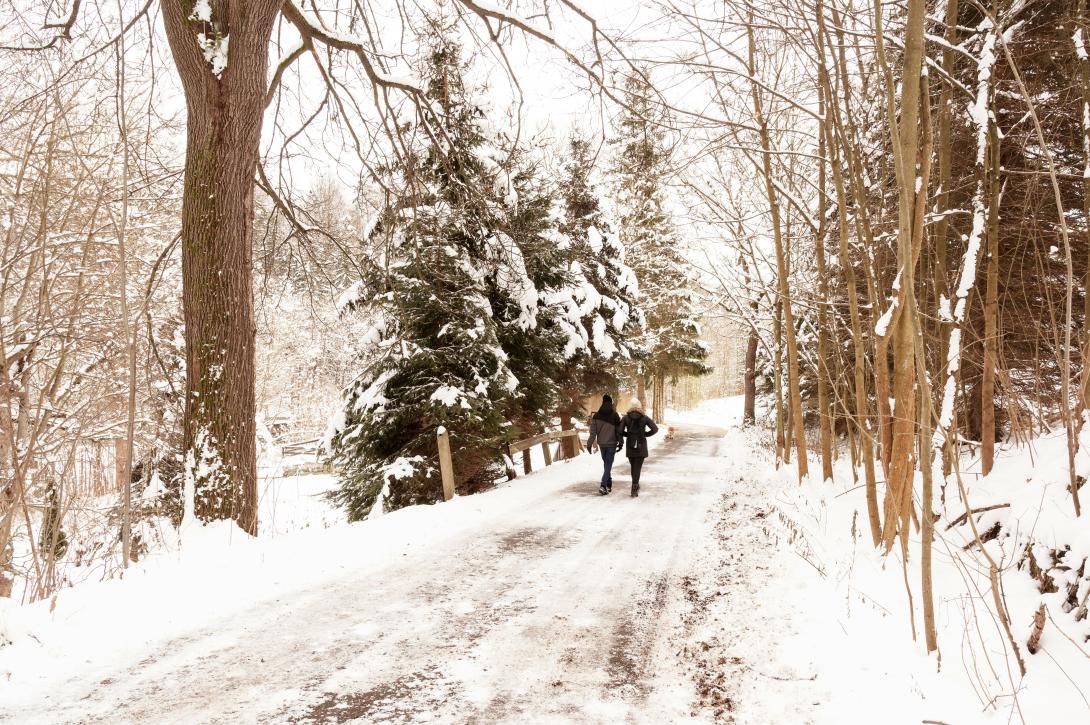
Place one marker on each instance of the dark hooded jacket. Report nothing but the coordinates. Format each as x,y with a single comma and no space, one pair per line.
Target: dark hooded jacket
636,428
605,427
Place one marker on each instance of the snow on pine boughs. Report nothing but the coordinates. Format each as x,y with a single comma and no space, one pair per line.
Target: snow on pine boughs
437,362
605,286
604,292
671,339
466,332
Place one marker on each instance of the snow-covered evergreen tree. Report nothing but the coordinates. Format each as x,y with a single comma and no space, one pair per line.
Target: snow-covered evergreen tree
537,348
475,307
439,359
606,291
671,341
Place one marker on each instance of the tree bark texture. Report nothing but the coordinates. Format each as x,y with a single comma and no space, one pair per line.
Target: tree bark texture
658,393
222,139
991,312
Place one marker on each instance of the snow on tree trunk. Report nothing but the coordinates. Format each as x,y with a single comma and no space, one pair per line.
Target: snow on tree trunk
981,117
225,104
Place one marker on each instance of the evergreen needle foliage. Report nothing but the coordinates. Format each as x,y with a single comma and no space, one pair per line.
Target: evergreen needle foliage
495,305
671,341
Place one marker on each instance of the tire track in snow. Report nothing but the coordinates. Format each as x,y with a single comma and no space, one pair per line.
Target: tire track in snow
556,613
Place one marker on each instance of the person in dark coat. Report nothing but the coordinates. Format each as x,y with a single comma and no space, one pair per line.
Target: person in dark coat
605,430
636,428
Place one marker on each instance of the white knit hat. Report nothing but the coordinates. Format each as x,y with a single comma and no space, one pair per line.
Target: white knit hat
635,403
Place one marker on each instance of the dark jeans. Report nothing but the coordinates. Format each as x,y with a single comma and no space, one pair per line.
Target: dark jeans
608,454
637,467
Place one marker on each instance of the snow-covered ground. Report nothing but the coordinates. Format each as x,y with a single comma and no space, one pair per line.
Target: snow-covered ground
290,503
539,600
719,413
725,593
852,624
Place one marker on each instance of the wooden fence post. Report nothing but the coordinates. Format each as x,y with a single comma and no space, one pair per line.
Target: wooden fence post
548,454
446,465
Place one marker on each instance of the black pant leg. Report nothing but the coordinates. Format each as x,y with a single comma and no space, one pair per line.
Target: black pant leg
637,467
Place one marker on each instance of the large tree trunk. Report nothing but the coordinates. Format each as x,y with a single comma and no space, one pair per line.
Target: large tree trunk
222,136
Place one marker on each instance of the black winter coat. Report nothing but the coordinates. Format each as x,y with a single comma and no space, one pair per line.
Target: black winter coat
636,429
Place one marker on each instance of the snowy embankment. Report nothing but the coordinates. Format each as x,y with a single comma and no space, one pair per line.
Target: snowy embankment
853,618
779,639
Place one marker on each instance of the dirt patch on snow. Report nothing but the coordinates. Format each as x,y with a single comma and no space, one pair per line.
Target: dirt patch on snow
634,636
534,539
396,701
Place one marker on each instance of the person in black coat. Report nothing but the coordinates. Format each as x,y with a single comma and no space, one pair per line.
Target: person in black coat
605,430
636,428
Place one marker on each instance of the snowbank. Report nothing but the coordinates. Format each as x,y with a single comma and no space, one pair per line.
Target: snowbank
718,413
847,622
976,679
218,570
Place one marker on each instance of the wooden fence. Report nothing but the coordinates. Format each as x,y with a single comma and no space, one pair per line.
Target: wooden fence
446,465
544,439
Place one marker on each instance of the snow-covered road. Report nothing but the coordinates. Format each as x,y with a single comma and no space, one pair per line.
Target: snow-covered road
726,593
539,602
555,611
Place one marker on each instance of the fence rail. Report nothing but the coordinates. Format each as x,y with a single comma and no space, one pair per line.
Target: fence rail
546,437
293,448
446,466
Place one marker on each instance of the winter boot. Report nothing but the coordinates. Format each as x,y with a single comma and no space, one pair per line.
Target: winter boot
603,490
635,490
